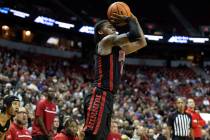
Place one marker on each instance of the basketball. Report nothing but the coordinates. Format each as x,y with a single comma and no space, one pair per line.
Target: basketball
119,8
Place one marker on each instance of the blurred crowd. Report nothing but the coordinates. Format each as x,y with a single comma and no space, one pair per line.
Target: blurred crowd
142,104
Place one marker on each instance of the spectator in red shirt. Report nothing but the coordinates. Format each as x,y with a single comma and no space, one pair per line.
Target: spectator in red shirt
17,130
197,121
114,132
70,131
42,128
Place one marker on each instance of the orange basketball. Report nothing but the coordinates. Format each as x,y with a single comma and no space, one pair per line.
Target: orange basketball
119,8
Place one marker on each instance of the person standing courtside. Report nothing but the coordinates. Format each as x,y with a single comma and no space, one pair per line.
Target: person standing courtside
180,123
197,121
42,128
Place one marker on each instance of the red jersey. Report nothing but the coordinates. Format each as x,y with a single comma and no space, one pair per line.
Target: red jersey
114,136
63,136
18,133
47,110
197,122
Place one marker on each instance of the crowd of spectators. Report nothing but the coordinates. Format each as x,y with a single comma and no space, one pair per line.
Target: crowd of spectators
142,104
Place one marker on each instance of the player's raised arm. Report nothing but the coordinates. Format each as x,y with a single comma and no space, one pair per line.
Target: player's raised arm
134,39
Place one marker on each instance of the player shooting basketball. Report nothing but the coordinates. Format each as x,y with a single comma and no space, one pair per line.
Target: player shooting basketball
110,57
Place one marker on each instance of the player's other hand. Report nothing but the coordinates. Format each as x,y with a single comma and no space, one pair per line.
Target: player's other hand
121,20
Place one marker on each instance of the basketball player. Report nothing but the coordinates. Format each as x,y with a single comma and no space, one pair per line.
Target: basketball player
11,105
111,49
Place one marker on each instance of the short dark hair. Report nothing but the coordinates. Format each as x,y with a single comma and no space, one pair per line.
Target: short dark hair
7,102
182,98
97,27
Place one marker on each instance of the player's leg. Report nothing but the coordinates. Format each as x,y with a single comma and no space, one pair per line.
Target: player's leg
98,115
88,103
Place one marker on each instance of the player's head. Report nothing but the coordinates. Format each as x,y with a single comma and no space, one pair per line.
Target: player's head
71,126
11,105
102,29
190,103
21,116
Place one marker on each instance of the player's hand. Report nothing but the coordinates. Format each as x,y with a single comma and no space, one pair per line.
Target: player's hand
121,20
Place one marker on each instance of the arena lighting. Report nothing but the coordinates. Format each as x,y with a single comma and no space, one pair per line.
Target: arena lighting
19,13
51,22
6,32
87,29
198,40
4,10
64,25
186,39
90,30
153,37
53,41
27,33
45,20
190,57
5,27
27,36
178,39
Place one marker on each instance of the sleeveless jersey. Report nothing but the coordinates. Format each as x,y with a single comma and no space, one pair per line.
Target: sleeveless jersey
109,69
